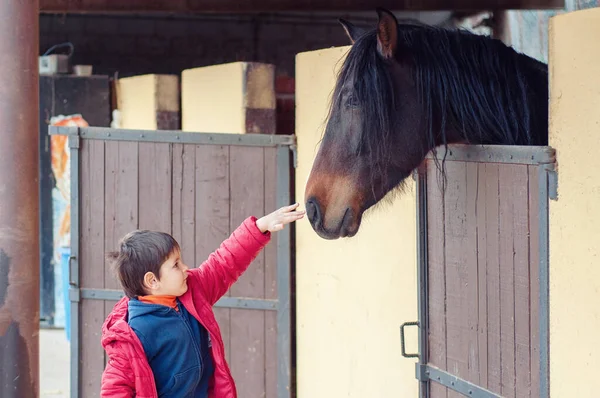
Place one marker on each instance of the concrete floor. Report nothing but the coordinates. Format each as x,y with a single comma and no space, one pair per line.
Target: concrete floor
54,364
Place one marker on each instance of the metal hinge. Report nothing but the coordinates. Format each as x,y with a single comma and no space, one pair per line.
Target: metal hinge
425,373
552,184
74,141
294,149
74,294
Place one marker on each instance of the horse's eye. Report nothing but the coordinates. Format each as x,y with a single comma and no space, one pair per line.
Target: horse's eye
352,102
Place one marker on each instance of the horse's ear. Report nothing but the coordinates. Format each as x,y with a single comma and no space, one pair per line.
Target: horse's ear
352,31
387,34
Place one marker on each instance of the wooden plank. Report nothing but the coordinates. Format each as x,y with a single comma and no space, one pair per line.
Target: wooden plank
493,277
482,263
436,274
455,217
121,201
155,189
248,326
270,253
228,6
212,215
534,278
507,284
470,251
91,264
184,201
521,290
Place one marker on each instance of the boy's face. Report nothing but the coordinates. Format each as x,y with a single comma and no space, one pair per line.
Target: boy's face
173,277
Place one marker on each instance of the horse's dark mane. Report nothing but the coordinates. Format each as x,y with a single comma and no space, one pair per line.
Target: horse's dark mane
495,102
374,91
494,113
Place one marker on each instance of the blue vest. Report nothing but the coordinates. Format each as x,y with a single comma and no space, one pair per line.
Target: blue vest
177,347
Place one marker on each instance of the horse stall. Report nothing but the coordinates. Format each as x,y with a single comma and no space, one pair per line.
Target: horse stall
506,247
483,271
466,256
351,294
199,187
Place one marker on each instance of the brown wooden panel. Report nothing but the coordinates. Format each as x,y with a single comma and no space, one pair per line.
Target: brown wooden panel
199,194
521,289
248,326
91,264
155,169
483,238
482,263
121,201
507,278
270,253
534,278
436,277
493,278
228,6
470,290
92,214
212,202
212,199
455,217
184,201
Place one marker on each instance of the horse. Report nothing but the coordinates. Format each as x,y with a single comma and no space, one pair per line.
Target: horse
405,89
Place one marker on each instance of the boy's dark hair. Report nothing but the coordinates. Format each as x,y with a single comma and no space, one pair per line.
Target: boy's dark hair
139,252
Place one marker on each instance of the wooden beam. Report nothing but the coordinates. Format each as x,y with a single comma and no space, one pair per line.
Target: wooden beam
255,6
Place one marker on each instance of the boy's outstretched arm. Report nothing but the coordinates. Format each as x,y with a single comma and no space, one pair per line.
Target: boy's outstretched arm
225,265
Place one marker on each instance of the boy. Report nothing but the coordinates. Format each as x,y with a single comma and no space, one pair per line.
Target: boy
162,339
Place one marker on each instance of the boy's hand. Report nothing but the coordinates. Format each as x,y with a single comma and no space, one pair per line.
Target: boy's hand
279,218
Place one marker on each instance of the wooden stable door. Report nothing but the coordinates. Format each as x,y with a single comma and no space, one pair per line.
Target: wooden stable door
483,272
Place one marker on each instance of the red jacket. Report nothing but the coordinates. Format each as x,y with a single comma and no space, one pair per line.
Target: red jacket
128,374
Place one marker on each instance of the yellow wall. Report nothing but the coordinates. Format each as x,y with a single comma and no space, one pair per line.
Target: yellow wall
140,97
215,99
352,295
575,217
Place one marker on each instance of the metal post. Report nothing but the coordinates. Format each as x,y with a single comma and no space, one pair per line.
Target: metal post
422,275
19,193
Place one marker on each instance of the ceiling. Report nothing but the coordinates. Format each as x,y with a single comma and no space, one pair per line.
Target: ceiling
357,7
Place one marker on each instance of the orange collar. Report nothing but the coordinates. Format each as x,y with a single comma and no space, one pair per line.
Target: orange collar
169,301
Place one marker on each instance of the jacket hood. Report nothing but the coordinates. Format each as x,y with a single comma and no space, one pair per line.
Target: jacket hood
115,327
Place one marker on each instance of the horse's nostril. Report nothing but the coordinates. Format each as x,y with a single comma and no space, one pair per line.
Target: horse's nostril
347,220
312,211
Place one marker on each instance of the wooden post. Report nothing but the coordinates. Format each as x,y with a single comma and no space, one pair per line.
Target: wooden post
19,193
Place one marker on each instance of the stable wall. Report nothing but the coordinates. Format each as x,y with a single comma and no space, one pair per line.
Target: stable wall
236,98
575,216
352,295
149,102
